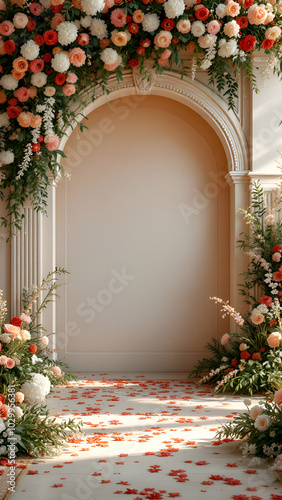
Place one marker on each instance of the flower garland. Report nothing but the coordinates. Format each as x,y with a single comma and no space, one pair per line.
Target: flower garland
251,361
52,49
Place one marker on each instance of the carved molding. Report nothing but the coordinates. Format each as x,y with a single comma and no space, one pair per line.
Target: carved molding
144,81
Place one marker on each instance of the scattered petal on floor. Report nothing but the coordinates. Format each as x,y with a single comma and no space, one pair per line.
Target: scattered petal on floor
136,444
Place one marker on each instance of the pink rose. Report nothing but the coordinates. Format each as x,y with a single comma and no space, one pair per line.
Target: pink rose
2,5
6,28
257,14
108,5
213,27
276,257
17,361
77,57
68,89
274,339
36,65
56,20
166,54
278,397
118,18
52,142
257,318
3,360
163,39
35,121
56,370
11,330
19,397
23,120
71,78
22,94
10,363
36,9
25,318
232,9
224,339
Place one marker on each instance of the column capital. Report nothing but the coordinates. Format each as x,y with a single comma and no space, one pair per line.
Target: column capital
237,177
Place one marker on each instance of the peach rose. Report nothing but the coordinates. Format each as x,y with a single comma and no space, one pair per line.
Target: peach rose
18,75
10,363
231,29
183,26
20,64
56,20
4,411
23,120
19,397
243,347
44,341
6,28
35,121
3,97
32,92
2,5
224,339
232,9
278,397
273,32
56,370
3,360
71,78
108,5
257,318
274,339
119,38
163,39
138,16
83,39
68,89
52,142
11,330
190,47
77,57
57,50
20,20
112,67
276,257
255,411
257,14
25,317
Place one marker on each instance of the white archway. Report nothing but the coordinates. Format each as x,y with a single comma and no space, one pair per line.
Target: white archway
34,248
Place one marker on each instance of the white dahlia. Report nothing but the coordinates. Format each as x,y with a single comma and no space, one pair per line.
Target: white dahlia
150,22
4,119
99,28
30,50
37,389
86,21
109,56
38,79
67,32
91,7
220,10
198,28
60,62
207,41
7,157
227,49
8,82
174,8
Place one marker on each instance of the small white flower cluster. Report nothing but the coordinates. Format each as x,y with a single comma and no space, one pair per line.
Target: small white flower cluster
225,379
273,450
259,260
209,56
271,284
48,114
26,161
248,449
3,308
212,373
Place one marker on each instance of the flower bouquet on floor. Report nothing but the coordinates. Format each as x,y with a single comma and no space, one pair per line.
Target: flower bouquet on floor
251,360
27,374
261,429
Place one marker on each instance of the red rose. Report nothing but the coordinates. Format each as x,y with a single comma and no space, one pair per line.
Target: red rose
248,3
145,43
277,276
118,2
145,2
242,21
36,147
248,43
175,41
13,112
140,51
16,321
133,63
168,24
1,68
31,25
266,44
266,300
277,248
49,71
256,356
60,79
262,349
244,355
56,9
36,65
9,47
47,57
202,13
13,101
33,348
133,28
234,362
40,138
280,293
128,19
272,322
50,37
2,399
39,40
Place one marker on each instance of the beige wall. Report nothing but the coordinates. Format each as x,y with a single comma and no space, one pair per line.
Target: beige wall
142,198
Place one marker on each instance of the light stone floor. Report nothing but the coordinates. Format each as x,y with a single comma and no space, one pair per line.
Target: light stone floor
148,436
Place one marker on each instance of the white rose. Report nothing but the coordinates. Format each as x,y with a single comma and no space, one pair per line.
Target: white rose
8,82
67,32
109,56
5,338
174,8
30,50
25,335
60,62
38,79
99,29
150,22
3,450
49,91
4,119
231,29
91,7
7,157
44,341
183,26
220,10
198,28
273,32
206,64
18,412
206,41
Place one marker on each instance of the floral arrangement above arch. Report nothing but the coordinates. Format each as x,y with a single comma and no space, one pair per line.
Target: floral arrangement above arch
52,49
